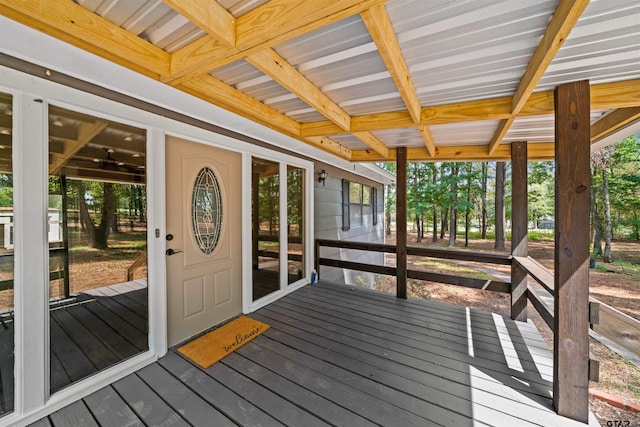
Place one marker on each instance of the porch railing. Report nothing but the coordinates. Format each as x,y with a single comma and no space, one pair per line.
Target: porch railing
452,254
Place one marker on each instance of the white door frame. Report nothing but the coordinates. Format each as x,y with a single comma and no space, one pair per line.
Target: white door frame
32,96
247,286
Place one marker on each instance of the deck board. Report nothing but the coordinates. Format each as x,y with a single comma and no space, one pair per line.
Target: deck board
280,408
109,409
76,414
341,357
323,408
226,400
193,408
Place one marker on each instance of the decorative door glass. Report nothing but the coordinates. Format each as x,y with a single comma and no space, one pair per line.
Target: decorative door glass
206,210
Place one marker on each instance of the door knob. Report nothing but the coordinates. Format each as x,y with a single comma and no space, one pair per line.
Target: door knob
172,252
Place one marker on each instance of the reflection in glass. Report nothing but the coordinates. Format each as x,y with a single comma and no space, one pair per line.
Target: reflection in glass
6,257
295,224
97,244
265,190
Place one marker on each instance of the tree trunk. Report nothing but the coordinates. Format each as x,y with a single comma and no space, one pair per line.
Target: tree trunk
468,209
434,237
86,223
98,235
388,222
595,219
141,202
466,229
606,257
421,227
418,234
484,200
443,222
453,227
500,213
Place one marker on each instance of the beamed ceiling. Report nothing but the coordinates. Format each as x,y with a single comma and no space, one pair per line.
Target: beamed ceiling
449,80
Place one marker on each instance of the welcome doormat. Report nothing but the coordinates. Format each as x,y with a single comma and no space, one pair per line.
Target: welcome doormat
213,346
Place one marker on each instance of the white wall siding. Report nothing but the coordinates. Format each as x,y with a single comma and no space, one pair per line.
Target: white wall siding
328,225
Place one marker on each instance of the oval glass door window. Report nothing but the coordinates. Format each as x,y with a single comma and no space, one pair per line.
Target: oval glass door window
206,210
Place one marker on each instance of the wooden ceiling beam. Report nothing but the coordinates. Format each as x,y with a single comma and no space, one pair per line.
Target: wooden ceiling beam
273,65
603,97
428,139
562,22
537,151
209,16
613,121
372,142
379,25
329,145
268,25
72,23
221,94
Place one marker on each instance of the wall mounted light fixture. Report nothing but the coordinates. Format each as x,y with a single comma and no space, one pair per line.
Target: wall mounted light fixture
322,176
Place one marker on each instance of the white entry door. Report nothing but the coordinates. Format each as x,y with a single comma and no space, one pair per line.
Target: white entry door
204,259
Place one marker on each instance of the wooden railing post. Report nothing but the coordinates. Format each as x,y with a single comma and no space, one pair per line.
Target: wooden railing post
401,222
519,232
316,262
571,305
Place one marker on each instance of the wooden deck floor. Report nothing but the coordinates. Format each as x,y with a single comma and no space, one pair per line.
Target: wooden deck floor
342,357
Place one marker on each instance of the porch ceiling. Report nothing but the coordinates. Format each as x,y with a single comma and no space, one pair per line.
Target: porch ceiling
357,78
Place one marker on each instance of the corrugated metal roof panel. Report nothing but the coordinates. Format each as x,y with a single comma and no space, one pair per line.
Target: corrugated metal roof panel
239,7
538,128
604,46
468,50
469,133
406,137
151,20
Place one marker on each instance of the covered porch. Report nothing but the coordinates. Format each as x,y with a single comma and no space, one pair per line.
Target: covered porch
337,355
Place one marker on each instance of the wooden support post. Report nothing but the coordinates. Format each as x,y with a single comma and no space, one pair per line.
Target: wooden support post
571,323
401,222
519,217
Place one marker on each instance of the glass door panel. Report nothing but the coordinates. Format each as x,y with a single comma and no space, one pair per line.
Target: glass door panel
295,224
265,212
97,244
7,342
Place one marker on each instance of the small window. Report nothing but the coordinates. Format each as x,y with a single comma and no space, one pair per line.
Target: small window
356,204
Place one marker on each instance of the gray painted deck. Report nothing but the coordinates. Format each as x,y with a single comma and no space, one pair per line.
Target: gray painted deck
341,356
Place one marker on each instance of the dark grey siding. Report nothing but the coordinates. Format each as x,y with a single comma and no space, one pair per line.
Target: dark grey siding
328,225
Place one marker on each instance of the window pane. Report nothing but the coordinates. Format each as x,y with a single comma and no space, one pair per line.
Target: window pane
366,194
6,257
295,224
356,215
97,244
266,227
355,192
